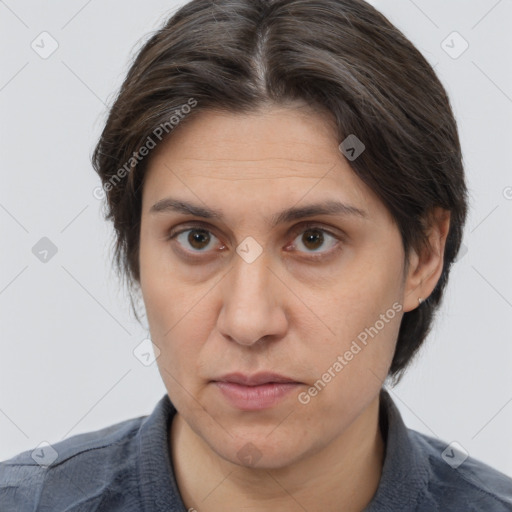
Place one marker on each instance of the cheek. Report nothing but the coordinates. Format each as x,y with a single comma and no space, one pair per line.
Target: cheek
164,298
180,338
364,293
178,315
363,312
349,373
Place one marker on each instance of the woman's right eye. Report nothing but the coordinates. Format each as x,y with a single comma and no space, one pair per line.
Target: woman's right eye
195,240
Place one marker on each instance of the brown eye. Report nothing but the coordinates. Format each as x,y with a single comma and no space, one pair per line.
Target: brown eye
198,238
314,239
195,239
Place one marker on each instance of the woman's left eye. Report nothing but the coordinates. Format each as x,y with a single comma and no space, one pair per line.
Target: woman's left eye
314,238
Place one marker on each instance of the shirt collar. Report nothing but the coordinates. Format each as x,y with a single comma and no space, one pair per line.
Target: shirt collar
157,482
404,473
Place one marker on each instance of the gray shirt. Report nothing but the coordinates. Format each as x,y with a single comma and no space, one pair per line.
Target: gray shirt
127,467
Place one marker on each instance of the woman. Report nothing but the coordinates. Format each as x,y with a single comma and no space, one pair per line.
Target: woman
286,184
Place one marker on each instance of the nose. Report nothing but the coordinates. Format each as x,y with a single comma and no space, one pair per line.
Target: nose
252,303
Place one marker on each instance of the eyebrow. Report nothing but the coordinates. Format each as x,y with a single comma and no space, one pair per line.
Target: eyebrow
170,204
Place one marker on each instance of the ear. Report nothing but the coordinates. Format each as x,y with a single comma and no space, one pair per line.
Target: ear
426,265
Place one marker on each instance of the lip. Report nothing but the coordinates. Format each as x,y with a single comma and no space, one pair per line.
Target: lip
255,392
255,379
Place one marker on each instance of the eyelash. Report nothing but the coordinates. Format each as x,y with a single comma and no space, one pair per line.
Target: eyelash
296,231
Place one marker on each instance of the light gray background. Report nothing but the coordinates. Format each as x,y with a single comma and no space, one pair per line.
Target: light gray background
67,336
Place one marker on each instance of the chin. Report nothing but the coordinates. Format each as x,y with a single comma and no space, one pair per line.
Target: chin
259,451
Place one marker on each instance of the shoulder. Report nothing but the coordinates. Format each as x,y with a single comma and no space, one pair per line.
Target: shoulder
72,472
456,479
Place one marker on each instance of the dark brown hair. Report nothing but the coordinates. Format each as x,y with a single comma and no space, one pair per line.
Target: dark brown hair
339,56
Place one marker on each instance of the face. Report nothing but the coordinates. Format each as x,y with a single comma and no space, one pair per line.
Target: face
275,329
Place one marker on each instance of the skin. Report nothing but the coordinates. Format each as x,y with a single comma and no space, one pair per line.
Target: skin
210,312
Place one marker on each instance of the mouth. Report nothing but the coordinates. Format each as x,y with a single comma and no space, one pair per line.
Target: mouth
255,392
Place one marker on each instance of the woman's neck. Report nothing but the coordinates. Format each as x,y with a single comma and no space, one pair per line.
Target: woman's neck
347,472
